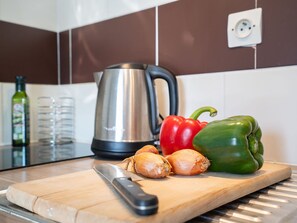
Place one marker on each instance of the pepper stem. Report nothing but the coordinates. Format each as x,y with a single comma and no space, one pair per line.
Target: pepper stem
213,112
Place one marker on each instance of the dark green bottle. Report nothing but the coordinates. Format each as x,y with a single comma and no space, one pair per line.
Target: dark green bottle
20,114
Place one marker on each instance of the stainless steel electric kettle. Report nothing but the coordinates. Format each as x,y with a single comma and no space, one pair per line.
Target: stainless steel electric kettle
127,116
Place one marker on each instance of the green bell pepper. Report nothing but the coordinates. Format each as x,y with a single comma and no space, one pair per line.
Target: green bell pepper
232,145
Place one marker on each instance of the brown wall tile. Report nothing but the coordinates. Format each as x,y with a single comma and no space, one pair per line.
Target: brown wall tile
193,37
27,51
64,57
129,38
279,40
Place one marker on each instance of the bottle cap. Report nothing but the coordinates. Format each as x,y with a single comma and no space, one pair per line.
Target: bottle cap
20,79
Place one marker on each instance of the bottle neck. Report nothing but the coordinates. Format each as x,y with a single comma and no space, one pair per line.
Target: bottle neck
20,87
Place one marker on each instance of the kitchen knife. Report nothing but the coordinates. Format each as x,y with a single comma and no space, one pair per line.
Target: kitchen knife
140,202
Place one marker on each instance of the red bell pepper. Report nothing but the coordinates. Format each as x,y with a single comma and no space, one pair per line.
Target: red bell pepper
177,132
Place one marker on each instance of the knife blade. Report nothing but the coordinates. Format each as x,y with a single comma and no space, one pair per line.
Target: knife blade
141,202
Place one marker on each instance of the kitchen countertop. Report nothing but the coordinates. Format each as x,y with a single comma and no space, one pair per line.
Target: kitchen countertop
43,171
37,154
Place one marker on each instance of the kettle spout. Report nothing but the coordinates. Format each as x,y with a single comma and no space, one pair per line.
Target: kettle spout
97,77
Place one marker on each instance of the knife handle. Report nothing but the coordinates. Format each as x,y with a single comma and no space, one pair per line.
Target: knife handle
141,202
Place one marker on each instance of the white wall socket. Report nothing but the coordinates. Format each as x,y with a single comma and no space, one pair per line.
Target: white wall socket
245,28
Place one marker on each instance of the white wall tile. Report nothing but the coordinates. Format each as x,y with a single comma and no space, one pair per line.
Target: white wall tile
1,114
33,13
269,96
7,92
61,15
33,91
73,14
85,103
194,91
85,99
266,94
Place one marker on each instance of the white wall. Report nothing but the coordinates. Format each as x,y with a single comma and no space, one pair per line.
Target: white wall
1,109
266,94
269,96
85,99
61,15
33,13
72,14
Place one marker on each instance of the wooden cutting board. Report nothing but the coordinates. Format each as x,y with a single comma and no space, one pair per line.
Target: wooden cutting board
86,197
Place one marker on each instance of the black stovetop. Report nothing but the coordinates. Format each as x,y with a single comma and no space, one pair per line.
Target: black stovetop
36,154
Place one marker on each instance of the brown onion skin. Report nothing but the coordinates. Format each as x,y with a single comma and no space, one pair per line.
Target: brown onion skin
147,148
151,165
188,162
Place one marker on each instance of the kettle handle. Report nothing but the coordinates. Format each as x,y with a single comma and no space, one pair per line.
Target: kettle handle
154,72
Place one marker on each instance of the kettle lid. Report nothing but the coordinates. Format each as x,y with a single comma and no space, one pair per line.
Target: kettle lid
128,66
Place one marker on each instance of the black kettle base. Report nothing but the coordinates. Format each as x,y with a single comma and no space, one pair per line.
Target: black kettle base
116,150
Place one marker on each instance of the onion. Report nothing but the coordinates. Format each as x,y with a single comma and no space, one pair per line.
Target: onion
148,148
149,165
188,162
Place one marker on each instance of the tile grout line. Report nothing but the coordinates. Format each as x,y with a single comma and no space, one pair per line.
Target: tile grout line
70,56
255,57
156,35
224,94
255,48
58,58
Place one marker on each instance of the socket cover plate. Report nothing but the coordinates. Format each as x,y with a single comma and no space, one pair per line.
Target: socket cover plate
245,28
